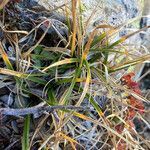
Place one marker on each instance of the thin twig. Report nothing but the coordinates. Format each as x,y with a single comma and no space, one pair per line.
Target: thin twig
38,109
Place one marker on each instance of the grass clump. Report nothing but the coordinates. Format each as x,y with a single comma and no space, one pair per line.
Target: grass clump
81,69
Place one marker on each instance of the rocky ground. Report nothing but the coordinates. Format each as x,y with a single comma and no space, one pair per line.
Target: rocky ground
115,13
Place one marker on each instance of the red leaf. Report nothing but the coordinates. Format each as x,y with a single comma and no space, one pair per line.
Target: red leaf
119,128
134,86
131,114
128,77
122,145
137,104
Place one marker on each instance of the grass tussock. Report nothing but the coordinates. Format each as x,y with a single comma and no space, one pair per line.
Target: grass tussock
81,69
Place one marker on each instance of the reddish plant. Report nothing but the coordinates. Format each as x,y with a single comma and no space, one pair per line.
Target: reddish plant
122,145
136,106
132,85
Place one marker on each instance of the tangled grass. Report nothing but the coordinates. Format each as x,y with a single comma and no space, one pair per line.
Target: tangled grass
80,70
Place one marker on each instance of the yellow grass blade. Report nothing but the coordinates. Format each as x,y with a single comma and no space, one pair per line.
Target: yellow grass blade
68,138
5,57
74,3
12,73
62,62
3,3
130,63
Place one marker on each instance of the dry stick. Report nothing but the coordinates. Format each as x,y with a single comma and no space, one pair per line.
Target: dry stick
38,109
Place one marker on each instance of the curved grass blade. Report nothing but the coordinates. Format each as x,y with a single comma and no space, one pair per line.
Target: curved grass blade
130,63
121,40
65,98
22,75
95,105
71,140
62,62
87,82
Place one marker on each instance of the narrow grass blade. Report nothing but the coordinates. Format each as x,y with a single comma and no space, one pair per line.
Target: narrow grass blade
129,63
95,105
74,3
5,57
96,40
51,97
122,39
22,75
36,79
26,130
65,98
87,82
12,73
62,62
68,138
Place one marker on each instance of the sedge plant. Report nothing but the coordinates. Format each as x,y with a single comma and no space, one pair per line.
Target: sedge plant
85,68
